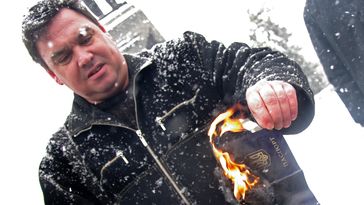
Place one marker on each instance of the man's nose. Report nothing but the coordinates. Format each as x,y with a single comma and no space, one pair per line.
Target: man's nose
85,58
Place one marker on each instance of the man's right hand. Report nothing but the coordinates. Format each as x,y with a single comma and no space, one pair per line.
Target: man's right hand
273,104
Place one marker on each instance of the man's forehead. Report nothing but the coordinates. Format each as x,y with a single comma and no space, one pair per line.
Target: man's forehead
69,32
66,22
52,42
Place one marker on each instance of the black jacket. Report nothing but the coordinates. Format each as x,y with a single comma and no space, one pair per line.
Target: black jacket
179,87
336,29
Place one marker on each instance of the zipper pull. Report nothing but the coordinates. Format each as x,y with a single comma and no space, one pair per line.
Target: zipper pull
160,123
121,154
140,135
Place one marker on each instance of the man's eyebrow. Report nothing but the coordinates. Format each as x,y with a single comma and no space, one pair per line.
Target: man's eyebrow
84,31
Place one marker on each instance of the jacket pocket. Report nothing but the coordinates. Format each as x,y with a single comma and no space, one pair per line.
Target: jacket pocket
193,165
149,188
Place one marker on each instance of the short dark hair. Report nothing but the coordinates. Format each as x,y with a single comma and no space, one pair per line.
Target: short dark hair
37,19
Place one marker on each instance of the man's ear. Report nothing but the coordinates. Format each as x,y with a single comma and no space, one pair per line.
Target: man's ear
102,28
54,76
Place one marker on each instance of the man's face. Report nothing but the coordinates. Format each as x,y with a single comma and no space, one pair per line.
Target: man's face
80,55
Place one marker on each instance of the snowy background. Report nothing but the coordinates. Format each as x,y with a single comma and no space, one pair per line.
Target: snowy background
33,106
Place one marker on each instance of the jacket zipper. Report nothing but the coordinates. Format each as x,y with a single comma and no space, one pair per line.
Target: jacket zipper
162,168
149,149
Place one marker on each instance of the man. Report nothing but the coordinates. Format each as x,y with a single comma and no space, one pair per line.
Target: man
137,132
337,33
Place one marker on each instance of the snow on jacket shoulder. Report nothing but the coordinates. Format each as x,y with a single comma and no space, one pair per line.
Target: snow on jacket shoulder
236,68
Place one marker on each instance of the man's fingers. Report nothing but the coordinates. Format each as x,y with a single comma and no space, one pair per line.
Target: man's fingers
273,104
292,99
283,103
271,101
258,109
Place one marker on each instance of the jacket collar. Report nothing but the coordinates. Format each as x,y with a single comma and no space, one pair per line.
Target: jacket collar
84,114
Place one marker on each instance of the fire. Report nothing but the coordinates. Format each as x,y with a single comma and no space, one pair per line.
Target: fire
239,174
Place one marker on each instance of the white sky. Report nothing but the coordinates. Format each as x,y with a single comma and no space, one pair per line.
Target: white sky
32,106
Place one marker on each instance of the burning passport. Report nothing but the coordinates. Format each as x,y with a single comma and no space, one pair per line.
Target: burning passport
256,164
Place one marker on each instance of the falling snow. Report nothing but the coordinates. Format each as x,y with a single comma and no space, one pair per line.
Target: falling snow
313,134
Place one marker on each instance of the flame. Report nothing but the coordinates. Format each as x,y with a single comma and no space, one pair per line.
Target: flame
239,174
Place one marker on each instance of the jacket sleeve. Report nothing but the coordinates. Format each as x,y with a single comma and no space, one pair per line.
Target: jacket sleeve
59,183
331,52
238,67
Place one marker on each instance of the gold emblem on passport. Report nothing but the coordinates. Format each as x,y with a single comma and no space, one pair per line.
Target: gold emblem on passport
259,159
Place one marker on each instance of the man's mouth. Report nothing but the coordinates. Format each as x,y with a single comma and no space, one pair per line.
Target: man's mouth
95,70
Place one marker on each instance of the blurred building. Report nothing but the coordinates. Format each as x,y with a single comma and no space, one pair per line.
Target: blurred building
97,11
131,29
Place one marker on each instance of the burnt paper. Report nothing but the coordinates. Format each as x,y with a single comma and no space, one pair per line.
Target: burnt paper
268,156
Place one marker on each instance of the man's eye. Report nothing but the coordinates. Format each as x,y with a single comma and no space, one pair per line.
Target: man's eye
84,40
63,59
86,35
